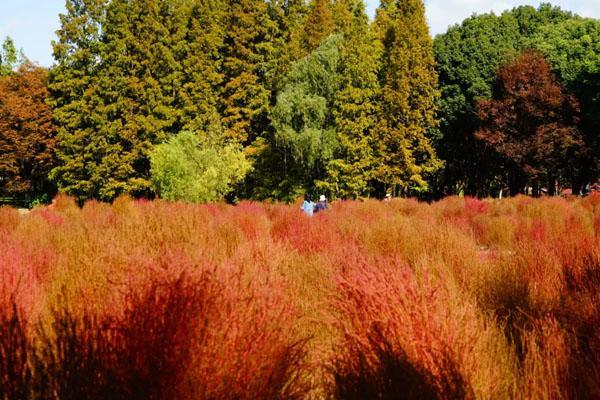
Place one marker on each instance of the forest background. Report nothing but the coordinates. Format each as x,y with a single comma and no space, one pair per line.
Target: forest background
204,99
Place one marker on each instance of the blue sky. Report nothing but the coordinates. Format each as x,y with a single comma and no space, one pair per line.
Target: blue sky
32,23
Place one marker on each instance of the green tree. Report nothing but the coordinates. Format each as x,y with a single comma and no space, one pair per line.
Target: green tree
73,96
573,49
116,92
295,156
9,57
202,76
246,51
289,17
137,89
409,91
319,24
197,170
350,172
468,56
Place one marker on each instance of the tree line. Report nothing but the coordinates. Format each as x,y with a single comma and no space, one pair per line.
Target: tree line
270,99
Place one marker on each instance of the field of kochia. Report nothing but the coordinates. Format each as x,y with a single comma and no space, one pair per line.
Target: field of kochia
460,299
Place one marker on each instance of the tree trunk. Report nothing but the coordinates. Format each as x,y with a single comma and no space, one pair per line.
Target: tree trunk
551,184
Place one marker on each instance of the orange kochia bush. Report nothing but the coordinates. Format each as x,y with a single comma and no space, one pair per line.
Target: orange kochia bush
462,298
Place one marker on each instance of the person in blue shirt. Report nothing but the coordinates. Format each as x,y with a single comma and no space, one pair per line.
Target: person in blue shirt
308,206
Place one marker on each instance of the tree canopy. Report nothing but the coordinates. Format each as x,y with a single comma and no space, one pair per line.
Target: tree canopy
531,122
27,133
468,57
192,169
317,97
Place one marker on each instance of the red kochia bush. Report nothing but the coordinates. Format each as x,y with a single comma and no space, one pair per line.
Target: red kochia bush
16,376
399,341
200,337
21,270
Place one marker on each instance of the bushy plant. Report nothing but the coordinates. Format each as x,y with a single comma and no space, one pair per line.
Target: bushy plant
196,170
150,299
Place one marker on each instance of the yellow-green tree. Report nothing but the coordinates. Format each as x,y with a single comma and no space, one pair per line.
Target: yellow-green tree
409,90
247,48
350,172
201,65
319,24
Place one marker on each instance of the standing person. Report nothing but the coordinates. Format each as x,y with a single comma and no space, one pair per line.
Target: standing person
322,204
308,206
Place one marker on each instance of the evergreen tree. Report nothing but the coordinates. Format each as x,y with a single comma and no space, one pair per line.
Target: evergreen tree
409,92
201,66
73,95
350,172
128,77
138,85
246,51
319,24
289,16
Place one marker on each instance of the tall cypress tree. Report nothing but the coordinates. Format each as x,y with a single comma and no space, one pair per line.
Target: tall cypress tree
350,172
246,48
202,65
409,91
319,24
73,95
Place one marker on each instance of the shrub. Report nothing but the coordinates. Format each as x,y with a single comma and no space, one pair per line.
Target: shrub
16,375
194,170
398,338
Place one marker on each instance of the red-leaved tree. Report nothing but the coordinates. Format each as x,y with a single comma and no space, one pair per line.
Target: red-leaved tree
531,121
27,134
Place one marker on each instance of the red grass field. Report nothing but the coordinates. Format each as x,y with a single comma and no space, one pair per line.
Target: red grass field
461,299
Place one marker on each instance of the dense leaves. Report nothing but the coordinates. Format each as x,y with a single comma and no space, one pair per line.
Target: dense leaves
195,170
27,133
321,99
531,122
409,90
468,58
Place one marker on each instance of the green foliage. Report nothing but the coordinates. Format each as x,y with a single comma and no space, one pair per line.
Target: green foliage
131,74
75,100
409,91
248,46
9,57
302,116
350,173
319,97
573,49
468,57
196,170
201,67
